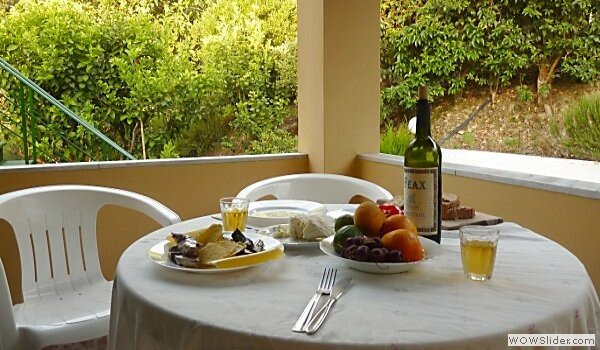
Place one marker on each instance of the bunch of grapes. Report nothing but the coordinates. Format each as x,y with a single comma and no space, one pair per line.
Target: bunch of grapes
363,248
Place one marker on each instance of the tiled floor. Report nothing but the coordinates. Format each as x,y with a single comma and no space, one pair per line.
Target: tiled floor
94,344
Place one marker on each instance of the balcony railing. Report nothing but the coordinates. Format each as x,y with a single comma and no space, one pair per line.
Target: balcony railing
39,128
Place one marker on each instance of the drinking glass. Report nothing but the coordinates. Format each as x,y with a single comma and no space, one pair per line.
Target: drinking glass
478,251
234,212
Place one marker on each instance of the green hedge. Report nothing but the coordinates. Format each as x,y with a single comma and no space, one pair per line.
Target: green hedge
450,45
188,74
117,71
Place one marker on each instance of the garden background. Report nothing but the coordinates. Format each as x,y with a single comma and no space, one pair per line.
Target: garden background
184,78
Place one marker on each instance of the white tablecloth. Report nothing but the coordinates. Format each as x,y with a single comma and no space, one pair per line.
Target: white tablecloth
537,287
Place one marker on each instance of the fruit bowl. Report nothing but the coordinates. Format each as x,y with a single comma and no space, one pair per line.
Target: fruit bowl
432,250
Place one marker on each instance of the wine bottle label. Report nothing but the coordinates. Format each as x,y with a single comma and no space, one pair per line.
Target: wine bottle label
420,198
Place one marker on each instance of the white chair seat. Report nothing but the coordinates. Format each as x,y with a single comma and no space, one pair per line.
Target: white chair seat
77,316
87,303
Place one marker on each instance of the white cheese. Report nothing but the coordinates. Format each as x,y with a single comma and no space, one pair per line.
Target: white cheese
297,224
281,232
309,228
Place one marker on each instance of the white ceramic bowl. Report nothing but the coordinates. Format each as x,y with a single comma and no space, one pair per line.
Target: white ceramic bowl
432,250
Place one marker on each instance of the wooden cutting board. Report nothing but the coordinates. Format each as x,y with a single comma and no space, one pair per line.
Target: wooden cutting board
479,219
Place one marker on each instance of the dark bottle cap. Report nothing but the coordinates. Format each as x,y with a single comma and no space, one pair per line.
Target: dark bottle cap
423,93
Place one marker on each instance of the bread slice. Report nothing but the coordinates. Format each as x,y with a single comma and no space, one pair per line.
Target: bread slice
448,213
465,212
451,199
219,250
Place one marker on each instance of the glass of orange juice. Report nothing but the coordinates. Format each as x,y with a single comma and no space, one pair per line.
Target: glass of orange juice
478,246
234,212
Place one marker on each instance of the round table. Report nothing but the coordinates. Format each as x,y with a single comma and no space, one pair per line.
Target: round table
537,287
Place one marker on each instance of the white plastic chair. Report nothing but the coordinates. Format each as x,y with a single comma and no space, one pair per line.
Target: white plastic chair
322,188
66,298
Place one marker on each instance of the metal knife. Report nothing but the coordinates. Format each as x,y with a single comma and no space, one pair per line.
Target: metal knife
317,320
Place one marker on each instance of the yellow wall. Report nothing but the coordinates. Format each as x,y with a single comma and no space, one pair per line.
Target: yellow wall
189,190
338,82
569,220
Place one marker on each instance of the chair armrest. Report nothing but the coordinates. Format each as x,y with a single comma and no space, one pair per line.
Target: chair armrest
143,204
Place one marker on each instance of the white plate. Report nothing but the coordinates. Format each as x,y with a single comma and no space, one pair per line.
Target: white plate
159,255
288,242
432,250
275,212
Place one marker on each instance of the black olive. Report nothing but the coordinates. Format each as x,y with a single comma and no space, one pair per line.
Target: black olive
259,246
238,236
178,237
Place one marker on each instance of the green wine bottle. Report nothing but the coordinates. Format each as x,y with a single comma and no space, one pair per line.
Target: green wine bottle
423,175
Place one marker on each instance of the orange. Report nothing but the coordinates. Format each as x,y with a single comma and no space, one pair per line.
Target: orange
406,241
396,222
369,218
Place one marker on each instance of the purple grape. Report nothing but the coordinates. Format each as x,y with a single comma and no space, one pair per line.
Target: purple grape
361,254
356,240
349,251
377,254
377,241
349,242
373,243
394,256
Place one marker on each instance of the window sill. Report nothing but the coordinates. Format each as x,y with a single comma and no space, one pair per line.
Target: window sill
570,176
149,162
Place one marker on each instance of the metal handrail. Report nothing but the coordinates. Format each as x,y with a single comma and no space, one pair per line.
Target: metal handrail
40,121
41,92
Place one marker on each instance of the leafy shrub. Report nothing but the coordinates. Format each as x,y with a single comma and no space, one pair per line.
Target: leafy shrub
582,127
563,37
180,70
5,5
524,94
249,47
450,45
395,141
424,50
117,71
274,141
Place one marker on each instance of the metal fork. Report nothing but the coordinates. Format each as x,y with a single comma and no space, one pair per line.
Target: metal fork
324,288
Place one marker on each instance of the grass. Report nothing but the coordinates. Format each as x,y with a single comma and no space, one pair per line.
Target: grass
582,127
511,142
539,133
554,128
395,141
468,138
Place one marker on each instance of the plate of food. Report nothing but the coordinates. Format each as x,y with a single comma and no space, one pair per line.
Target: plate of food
210,251
276,212
301,232
375,258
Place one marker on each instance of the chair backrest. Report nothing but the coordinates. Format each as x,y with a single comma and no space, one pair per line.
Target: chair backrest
322,188
55,229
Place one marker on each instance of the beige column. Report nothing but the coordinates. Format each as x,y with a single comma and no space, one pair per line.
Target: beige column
338,82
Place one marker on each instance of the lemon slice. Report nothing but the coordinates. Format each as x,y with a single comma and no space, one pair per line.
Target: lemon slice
248,260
